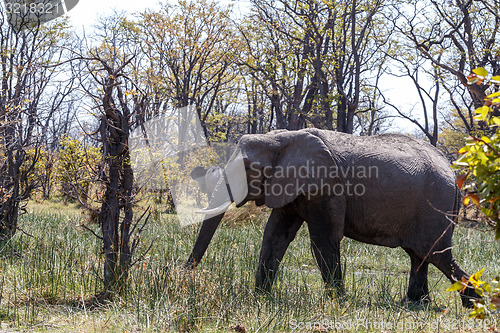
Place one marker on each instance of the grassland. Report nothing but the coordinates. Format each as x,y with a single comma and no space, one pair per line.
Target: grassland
47,279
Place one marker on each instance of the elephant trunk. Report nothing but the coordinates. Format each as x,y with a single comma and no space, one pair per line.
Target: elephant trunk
231,187
219,203
204,237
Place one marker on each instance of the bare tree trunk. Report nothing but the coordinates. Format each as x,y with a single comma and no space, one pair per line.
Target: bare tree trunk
125,250
108,220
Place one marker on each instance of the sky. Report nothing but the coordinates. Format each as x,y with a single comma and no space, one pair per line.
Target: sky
86,12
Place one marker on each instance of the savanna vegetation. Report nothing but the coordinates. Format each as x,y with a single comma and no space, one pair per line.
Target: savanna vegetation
85,248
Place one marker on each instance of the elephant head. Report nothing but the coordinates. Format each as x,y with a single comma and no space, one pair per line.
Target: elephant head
270,169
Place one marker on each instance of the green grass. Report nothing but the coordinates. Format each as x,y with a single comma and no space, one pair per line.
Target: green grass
47,279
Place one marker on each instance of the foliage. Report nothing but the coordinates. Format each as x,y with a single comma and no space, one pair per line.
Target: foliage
76,168
190,49
480,158
315,59
480,161
29,96
453,135
43,175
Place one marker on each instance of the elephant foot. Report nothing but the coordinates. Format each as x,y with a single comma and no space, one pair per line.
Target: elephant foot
262,290
417,300
264,279
263,285
335,290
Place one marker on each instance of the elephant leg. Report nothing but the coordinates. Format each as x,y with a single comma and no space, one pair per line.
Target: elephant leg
280,230
418,288
326,250
325,221
447,264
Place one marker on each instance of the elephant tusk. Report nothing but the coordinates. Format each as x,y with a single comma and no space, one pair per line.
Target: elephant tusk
217,210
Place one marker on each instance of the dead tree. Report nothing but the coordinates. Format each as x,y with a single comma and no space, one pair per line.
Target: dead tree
116,217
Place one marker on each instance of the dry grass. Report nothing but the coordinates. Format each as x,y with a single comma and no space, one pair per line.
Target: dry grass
250,213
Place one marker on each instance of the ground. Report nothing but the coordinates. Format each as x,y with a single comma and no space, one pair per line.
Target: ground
50,272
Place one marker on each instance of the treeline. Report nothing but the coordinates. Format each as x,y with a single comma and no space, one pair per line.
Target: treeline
70,99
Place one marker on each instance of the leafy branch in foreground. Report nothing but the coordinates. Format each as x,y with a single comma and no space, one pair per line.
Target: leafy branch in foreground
481,156
480,162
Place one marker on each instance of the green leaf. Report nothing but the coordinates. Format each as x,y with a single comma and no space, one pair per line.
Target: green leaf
481,71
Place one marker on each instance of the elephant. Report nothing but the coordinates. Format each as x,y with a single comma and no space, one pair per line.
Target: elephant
389,190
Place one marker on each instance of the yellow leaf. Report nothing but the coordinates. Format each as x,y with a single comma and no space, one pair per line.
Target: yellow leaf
473,198
476,312
481,71
474,279
495,79
495,94
483,111
486,139
463,150
455,287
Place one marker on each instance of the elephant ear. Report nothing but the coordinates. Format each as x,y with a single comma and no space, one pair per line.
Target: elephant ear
302,166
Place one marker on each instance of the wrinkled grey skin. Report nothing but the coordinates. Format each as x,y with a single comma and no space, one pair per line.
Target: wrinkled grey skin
403,206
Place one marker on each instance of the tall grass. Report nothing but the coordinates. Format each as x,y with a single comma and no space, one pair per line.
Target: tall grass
47,279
